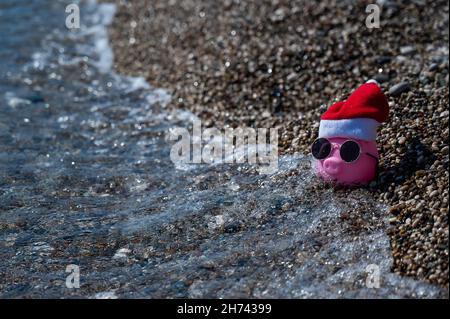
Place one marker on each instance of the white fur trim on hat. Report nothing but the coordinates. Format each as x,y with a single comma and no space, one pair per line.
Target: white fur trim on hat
358,128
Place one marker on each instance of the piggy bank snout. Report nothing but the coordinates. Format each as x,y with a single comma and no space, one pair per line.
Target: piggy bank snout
332,166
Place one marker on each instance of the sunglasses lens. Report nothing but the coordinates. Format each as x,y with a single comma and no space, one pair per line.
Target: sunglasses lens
350,151
321,148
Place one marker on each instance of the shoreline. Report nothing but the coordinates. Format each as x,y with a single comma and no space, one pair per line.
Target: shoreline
267,64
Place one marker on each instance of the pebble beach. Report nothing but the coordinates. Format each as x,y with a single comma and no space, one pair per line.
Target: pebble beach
281,63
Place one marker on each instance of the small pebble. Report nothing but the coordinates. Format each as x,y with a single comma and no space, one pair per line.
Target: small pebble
399,88
406,50
122,253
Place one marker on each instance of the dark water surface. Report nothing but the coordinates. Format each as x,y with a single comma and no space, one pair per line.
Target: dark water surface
86,179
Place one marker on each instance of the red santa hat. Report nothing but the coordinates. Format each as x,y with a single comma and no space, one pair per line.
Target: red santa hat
359,116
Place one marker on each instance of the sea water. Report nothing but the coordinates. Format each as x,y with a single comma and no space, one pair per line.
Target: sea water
92,206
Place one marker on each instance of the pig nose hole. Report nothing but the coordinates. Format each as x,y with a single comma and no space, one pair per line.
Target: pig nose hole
331,166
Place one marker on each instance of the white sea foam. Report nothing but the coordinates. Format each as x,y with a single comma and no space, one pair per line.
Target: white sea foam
101,18
14,101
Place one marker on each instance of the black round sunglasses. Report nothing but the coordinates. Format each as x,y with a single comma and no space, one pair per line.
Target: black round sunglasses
349,150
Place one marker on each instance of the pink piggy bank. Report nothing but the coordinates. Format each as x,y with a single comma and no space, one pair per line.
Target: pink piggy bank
346,151
356,165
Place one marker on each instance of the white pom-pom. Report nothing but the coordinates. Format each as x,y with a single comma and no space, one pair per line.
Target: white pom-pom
373,81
